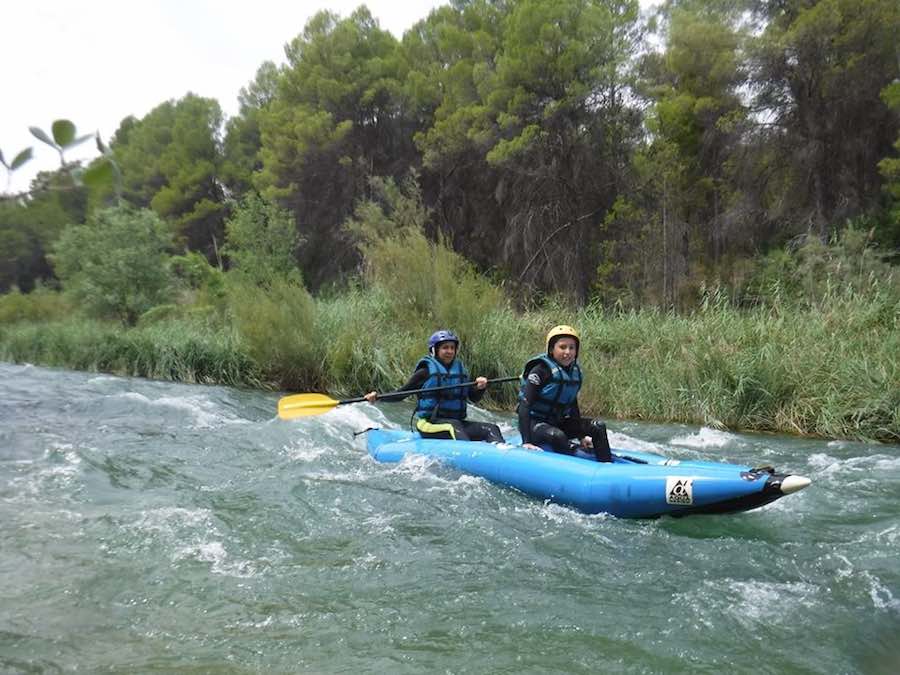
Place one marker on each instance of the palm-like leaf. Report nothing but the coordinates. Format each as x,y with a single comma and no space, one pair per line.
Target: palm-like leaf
20,159
42,136
63,132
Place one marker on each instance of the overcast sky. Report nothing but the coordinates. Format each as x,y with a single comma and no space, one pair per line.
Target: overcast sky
99,61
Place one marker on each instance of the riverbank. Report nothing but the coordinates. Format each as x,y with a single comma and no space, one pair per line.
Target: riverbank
830,373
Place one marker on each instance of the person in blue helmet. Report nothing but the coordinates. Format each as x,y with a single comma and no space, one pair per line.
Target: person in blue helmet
548,400
442,414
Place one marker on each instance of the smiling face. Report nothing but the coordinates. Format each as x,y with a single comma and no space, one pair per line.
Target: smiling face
564,351
445,352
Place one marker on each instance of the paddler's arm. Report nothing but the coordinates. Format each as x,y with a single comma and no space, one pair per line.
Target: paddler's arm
416,380
476,393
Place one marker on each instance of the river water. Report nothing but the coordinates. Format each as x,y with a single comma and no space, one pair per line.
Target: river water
157,527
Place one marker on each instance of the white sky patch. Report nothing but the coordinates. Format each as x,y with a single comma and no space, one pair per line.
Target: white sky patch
96,63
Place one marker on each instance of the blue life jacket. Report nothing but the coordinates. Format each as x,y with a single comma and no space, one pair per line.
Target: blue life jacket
450,402
557,397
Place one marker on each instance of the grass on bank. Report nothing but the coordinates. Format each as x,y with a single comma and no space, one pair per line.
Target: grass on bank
177,350
829,373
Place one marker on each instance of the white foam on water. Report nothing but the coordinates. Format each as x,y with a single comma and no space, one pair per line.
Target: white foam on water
292,622
100,379
380,523
357,476
625,442
464,486
423,469
705,438
319,435
751,603
214,552
833,467
66,448
207,414
133,396
72,459
368,562
469,479
188,532
265,623
844,572
49,469
355,417
821,461
559,514
418,467
168,519
882,598
544,516
302,452
886,463
889,536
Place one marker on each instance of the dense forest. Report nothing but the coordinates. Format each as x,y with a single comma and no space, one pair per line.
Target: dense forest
568,147
569,153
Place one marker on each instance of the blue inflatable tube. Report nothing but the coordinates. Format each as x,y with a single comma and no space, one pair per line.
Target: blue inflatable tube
634,485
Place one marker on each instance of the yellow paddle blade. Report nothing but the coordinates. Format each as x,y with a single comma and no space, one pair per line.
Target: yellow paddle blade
302,405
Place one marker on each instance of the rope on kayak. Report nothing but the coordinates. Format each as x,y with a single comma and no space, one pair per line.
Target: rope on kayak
635,460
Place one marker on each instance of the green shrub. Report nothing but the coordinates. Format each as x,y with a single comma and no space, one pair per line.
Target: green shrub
261,242
276,325
183,351
812,273
41,304
429,285
115,266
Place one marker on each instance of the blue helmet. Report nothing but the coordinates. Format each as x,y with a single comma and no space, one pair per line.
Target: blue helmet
439,337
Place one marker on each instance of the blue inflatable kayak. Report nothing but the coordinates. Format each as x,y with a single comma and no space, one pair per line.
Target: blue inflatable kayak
634,485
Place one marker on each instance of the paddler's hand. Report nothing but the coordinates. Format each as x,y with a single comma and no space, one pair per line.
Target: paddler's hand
530,446
371,396
480,382
587,442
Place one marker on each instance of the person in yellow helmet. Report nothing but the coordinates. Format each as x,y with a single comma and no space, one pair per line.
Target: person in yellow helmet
548,400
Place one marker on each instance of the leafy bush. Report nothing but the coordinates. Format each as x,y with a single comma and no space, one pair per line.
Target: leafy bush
115,265
429,285
276,325
184,351
261,242
811,273
42,304
202,285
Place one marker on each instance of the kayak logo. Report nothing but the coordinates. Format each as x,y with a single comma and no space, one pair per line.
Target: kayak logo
679,491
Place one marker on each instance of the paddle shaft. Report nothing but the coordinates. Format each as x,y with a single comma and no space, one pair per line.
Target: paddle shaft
428,390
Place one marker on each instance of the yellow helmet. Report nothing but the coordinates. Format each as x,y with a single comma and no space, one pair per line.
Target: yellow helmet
562,331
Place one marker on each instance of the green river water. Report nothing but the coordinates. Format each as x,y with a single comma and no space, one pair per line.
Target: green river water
152,527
